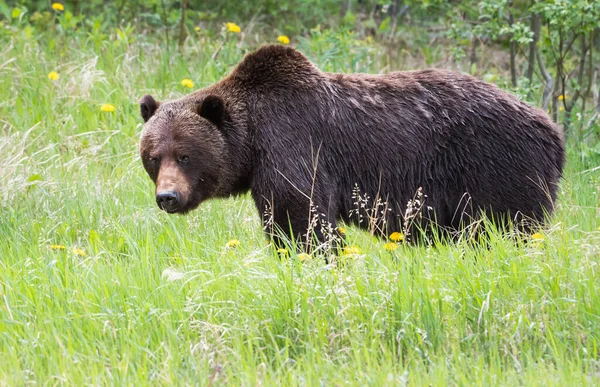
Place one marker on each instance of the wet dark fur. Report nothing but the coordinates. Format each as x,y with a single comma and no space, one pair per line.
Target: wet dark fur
295,136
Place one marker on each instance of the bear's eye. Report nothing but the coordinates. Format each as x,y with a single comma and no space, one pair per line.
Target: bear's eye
184,159
153,160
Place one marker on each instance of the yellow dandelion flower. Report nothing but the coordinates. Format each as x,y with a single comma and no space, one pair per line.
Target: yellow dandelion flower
598,228
283,39
282,251
232,244
58,7
53,75
396,236
351,250
560,109
390,246
561,97
106,107
79,252
58,247
232,27
197,29
304,257
342,230
537,237
187,83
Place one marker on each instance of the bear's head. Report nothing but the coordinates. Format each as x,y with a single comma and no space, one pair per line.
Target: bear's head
185,150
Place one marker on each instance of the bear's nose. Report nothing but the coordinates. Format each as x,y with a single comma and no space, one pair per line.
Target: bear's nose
167,200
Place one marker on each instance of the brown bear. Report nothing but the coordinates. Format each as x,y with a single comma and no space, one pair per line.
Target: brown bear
429,148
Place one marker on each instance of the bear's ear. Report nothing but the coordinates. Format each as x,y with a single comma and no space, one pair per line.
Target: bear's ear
148,106
212,109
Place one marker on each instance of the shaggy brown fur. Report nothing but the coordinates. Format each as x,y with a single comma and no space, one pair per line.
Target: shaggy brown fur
357,147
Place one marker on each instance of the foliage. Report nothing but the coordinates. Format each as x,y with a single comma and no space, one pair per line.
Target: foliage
566,66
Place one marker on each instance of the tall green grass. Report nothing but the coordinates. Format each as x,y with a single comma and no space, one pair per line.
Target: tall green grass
149,298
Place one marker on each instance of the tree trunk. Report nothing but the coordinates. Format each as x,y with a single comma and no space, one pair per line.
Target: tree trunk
570,104
513,51
548,87
182,29
165,20
474,45
536,26
596,101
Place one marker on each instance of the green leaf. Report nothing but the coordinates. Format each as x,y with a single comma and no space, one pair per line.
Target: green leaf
94,240
385,24
490,77
473,68
120,244
34,177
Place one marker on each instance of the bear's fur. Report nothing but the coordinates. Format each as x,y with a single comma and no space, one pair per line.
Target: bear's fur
316,147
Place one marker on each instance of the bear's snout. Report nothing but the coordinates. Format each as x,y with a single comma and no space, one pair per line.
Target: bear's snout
167,200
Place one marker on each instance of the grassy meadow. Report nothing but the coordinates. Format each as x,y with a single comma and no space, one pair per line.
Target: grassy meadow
97,286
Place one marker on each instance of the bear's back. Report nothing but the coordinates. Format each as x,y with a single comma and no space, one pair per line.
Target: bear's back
466,142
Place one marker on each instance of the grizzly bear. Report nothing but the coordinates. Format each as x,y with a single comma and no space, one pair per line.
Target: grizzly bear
401,151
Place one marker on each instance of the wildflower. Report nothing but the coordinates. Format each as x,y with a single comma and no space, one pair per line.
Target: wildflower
282,251
58,7
53,75
342,230
396,236
560,109
58,247
561,97
232,244
351,250
390,246
106,107
197,29
283,39
232,27
537,239
304,257
79,252
187,83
